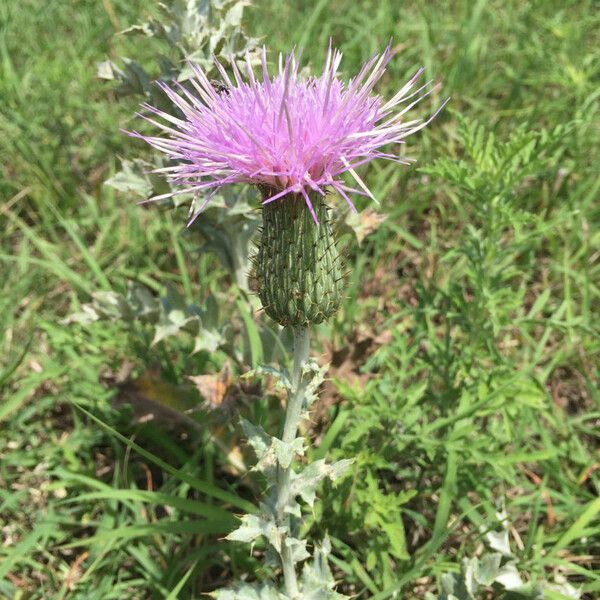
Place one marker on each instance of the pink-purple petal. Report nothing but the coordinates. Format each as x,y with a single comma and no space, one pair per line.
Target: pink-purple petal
290,133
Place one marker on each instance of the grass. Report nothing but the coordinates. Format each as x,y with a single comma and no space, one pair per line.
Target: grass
464,361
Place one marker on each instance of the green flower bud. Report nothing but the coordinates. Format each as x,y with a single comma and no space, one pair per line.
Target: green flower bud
298,266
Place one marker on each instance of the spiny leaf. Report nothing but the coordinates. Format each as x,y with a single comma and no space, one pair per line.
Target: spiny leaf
281,377
255,526
170,315
298,549
314,375
132,178
305,483
317,582
271,451
249,592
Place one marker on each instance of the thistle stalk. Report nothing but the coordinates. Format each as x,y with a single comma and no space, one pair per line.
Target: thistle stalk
296,401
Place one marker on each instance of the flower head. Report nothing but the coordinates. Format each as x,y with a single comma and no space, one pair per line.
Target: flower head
288,134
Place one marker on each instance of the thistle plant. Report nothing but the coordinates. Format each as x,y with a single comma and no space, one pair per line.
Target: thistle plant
299,140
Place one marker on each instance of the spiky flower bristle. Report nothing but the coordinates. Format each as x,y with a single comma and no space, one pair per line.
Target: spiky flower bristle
298,266
292,132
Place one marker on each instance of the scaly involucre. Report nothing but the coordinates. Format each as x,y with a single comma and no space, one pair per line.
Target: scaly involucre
288,134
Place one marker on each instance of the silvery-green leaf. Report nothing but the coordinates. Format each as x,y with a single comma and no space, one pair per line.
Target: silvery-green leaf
217,242
304,484
488,569
132,78
208,340
338,468
298,548
469,572
213,334
199,28
255,526
104,305
173,322
293,508
316,582
229,225
477,574
562,586
87,315
106,69
176,316
271,558
454,588
270,450
112,305
280,377
144,305
233,17
210,313
321,593
529,591
499,541
145,29
313,375
508,576
258,438
246,591
195,58
359,225
284,453
316,572
132,178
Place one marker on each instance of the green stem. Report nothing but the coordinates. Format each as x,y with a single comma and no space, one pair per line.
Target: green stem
290,429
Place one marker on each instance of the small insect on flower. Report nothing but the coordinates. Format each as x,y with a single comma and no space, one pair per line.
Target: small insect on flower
219,86
288,134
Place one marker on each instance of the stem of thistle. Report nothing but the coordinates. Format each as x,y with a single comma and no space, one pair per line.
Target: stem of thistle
292,420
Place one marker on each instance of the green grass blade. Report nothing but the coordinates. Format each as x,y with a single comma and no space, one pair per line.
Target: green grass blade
131,532
252,335
174,594
24,548
194,507
578,529
198,484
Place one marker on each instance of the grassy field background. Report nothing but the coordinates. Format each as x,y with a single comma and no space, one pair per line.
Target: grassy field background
465,360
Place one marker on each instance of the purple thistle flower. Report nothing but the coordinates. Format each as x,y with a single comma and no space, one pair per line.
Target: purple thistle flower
289,134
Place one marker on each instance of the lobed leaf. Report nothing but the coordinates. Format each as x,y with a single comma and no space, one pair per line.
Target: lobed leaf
255,526
304,484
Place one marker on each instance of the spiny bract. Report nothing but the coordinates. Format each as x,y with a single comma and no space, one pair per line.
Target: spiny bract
298,267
